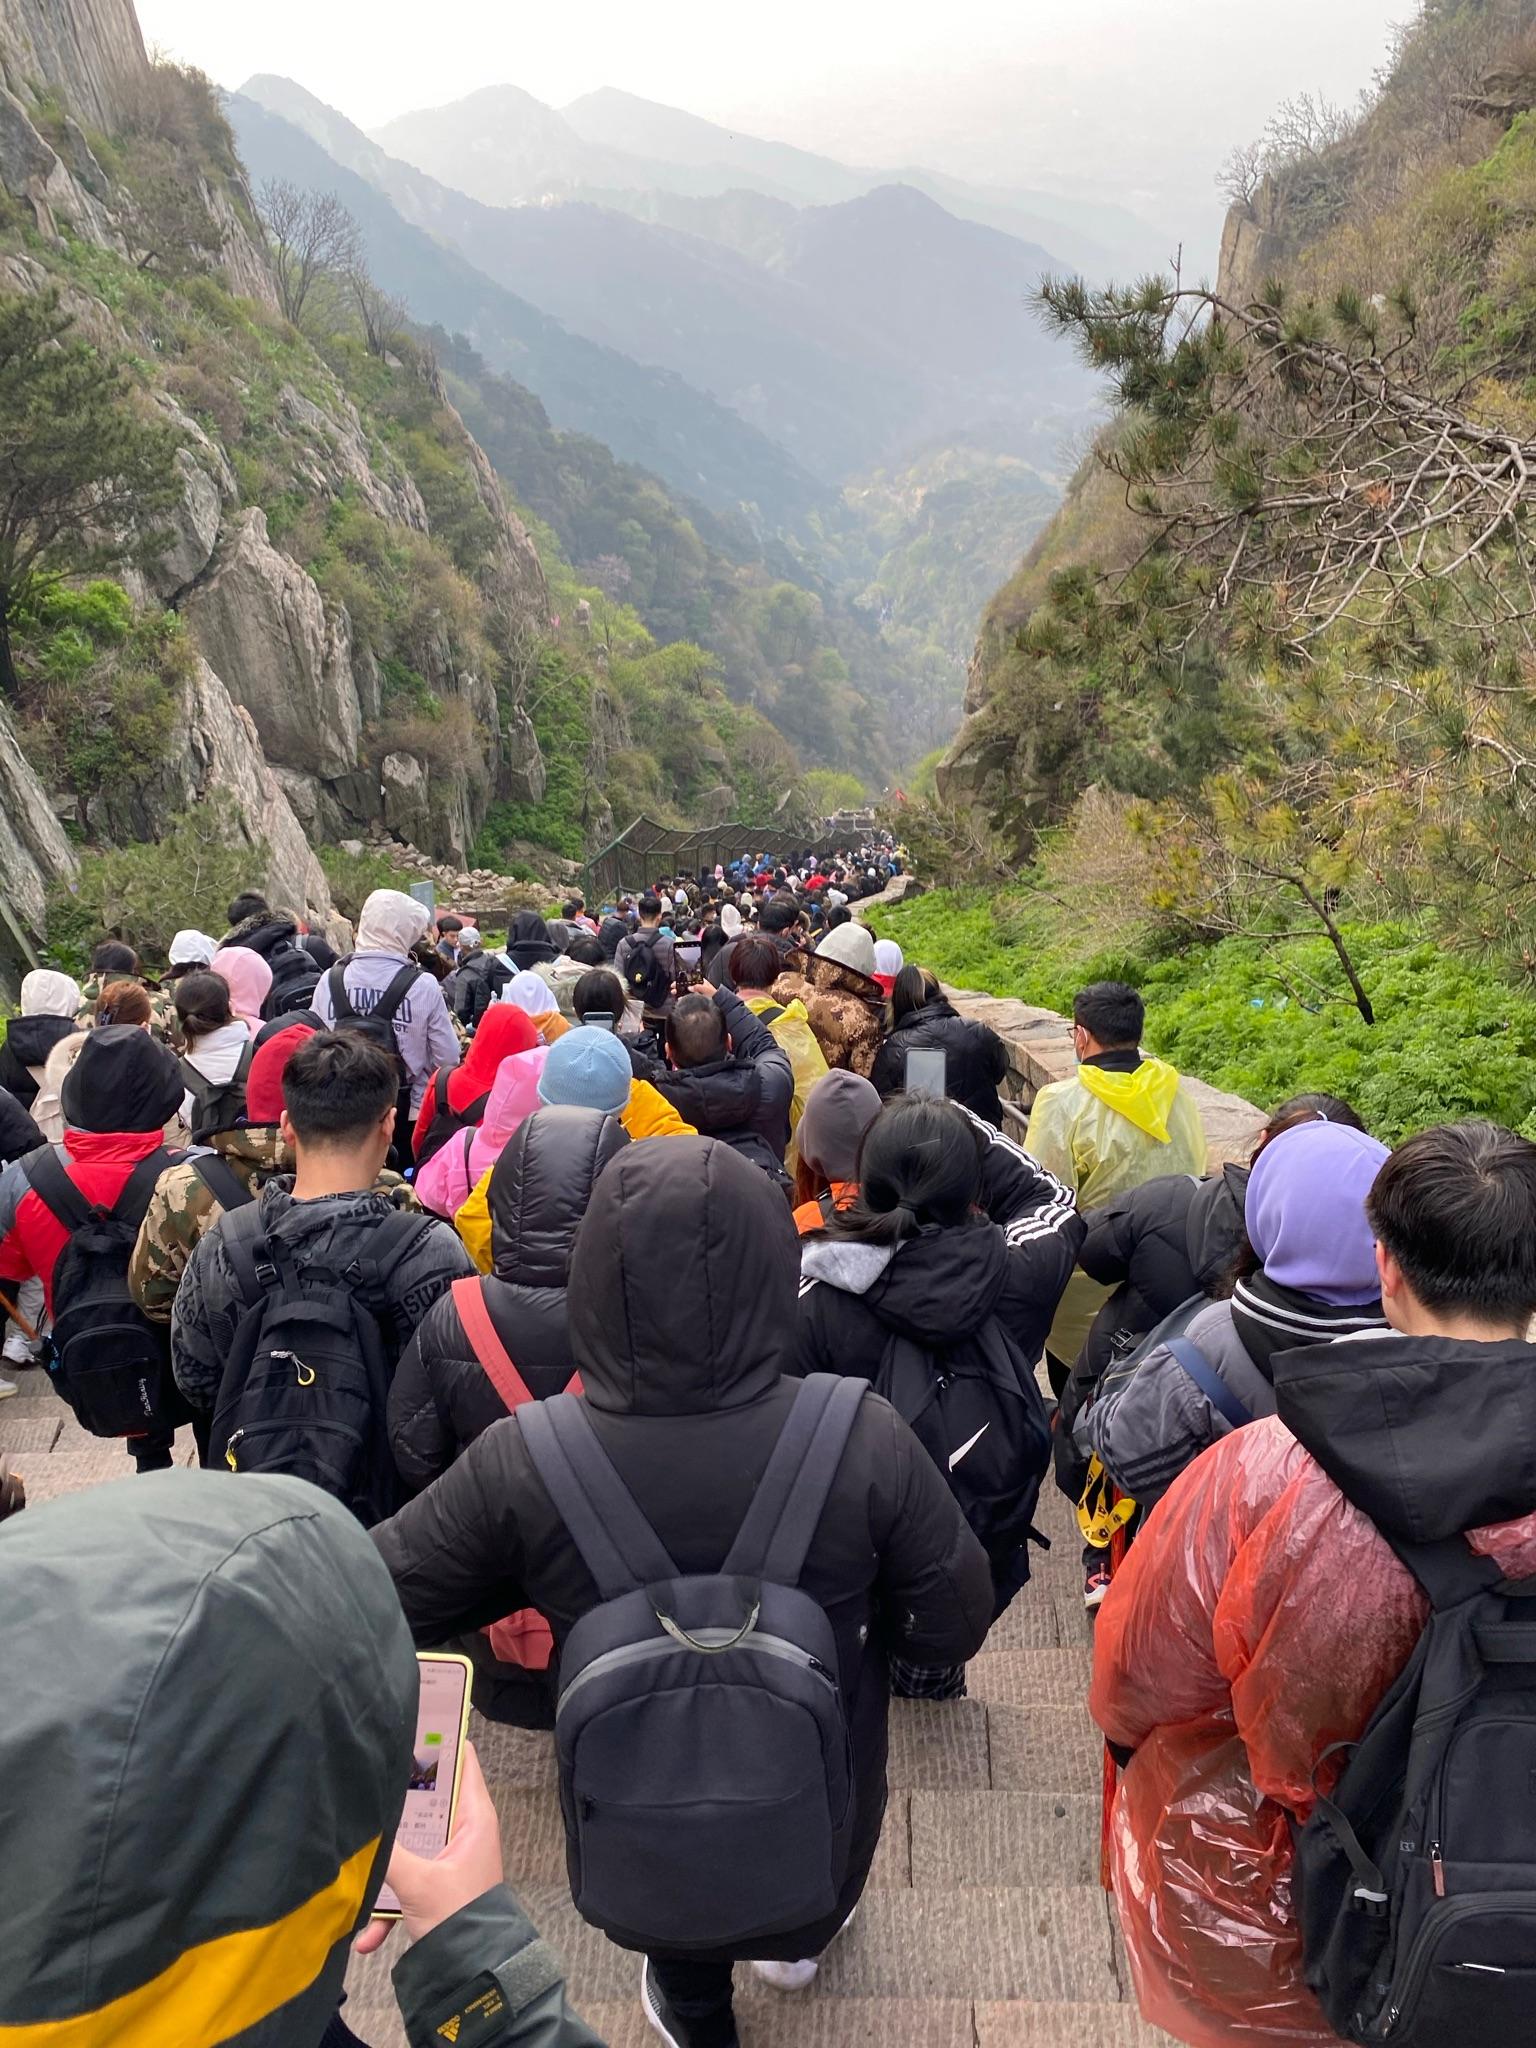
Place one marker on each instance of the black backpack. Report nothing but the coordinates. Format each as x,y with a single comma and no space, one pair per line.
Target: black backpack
109,1361
378,1023
979,1415
705,1764
217,1105
447,1121
646,979
295,977
1416,1881
307,1376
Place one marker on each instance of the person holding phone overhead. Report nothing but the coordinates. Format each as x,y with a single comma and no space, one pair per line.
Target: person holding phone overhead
924,1020
154,1883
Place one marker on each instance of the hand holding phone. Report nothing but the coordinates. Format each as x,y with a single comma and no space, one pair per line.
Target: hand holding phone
437,1761
431,1889
927,1072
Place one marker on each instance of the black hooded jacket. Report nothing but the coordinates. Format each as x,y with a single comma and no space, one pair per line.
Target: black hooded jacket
528,941
441,1399
18,1134
295,971
977,1059
475,984
682,1320
28,1042
743,1099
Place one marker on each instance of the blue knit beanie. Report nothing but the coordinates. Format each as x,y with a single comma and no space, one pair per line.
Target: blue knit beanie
586,1069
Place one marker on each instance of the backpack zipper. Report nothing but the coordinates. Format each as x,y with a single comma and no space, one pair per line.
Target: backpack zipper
665,1646
1417,1963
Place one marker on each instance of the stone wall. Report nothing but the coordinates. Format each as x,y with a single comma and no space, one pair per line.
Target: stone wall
1040,1051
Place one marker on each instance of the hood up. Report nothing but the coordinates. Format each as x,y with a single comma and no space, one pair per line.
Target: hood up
937,1287
391,922
153,1866
122,1080
684,1280
838,1113
830,977
249,979
31,1039
541,1187
1143,1098
1305,1211
528,940
504,1030
1429,1436
262,934
47,993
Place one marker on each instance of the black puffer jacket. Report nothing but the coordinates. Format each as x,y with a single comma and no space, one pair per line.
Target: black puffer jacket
441,1399
295,971
977,1058
1156,1246
18,1134
528,941
744,1099
682,1316
28,1042
475,984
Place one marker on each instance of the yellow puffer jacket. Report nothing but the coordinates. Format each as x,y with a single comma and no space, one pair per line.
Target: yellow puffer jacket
647,1114
1103,1134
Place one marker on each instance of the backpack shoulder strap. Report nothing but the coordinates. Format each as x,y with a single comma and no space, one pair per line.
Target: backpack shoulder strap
341,1002
245,1246
134,1196
469,1300
771,1015
222,1181
50,1182
618,1545
196,1083
1208,1380
384,1010
243,1064
781,1523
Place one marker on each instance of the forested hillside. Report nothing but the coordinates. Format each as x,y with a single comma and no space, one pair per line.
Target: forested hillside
1285,619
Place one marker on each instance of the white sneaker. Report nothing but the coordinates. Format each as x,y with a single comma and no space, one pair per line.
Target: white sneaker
7,1388
789,1976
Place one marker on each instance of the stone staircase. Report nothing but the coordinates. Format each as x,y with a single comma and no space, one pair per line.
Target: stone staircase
984,1925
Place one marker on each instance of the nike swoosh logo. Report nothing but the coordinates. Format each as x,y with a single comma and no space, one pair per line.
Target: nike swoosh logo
966,1449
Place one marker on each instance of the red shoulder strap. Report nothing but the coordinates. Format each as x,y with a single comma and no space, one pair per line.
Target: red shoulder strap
469,1300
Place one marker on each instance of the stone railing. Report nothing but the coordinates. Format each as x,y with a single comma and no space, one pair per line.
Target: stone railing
1040,1051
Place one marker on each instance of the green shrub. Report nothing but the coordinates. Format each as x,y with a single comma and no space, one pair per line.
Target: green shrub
100,685
147,893
354,876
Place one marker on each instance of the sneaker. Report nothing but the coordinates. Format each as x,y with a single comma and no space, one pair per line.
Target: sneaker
711,2033
797,1976
1095,1586
7,1388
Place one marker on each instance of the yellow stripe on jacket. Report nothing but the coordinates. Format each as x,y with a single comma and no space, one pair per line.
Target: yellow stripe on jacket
221,1987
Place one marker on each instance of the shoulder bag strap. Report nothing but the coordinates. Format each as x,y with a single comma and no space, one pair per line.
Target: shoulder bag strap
196,1083
50,1182
222,1181
781,1523
341,1002
384,1010
134,1196
618,1545
249,1254
1208,1380
243,1064
494,1357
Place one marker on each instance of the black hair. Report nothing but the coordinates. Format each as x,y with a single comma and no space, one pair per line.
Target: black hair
920,1163
573,906
113,957
913,989
337,1086
650,904
756,963
449,923
202,1003
585,951
1310,1109
838,914
695,1031
1112,1012
599,993
780,914
1456,1208
250,903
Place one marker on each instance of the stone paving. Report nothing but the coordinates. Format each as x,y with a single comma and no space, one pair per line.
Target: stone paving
984,1925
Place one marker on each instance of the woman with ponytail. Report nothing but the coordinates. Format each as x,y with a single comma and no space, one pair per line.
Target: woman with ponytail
924,1019
938,1284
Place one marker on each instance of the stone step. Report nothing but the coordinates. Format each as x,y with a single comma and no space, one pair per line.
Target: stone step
1058,1676
1003,1840
1019,2025
1043,1749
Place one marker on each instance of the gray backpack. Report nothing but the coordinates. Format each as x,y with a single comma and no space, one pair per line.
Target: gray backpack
705,1764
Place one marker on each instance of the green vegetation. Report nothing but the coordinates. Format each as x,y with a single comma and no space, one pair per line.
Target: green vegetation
146,894
88,468
1451,1040
355,876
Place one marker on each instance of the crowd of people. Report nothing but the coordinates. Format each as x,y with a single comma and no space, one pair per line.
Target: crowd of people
653,1308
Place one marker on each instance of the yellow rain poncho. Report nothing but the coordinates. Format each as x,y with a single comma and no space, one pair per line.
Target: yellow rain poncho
792,1032
1104,1133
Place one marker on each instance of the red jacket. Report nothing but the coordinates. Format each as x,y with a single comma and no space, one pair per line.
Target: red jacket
1257,1619
31,1236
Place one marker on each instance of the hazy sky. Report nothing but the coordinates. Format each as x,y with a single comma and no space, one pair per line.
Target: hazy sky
1133,99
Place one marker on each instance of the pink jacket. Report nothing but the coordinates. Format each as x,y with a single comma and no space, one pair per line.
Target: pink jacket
450,1176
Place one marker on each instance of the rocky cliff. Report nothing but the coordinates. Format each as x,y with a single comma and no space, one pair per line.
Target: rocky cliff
353,666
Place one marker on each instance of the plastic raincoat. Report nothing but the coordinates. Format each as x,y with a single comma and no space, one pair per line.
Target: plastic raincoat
1258,1618
792,1032
1103,1133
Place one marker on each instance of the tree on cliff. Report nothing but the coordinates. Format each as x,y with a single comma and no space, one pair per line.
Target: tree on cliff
85,470
313,236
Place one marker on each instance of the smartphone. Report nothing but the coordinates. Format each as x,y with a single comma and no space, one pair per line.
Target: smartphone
927,1071
600,1020
437,1761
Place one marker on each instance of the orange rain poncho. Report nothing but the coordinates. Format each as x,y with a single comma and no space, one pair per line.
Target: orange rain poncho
1258,1618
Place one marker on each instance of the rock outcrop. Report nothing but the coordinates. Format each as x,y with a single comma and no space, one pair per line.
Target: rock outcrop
34,852
262,623
91,51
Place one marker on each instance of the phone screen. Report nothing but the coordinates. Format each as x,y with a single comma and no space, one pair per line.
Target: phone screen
442,1723
599,1020
927,1071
